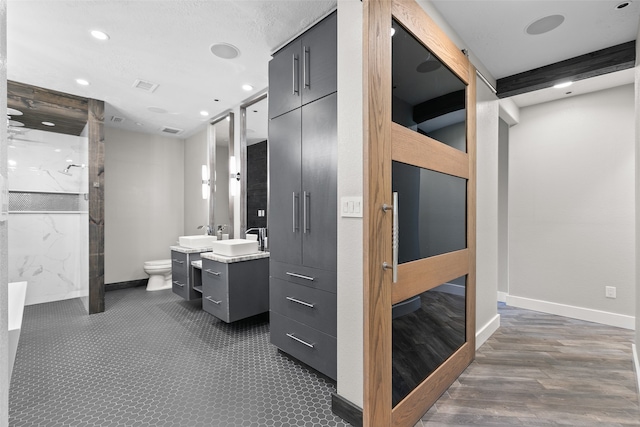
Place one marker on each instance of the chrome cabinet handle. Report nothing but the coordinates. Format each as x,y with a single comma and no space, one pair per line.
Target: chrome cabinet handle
307,67
178,261
299,276
175,282
213,301
305,212
395,238
294,213
295,74
215,273
293,337
306,304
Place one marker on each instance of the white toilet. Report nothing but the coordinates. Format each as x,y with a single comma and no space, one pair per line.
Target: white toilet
159,272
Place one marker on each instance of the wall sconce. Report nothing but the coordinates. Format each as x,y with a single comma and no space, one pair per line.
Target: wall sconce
205,182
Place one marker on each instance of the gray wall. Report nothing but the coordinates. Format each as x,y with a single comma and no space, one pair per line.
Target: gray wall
571,207
503,209
144,203
4,235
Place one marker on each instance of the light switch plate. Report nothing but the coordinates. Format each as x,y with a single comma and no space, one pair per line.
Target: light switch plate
351,207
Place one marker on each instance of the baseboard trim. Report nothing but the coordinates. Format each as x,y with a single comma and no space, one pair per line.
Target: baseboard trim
636,364
346,410
125,285
487,330
502,296
581,313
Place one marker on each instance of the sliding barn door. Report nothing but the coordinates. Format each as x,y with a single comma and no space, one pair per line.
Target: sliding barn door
420,219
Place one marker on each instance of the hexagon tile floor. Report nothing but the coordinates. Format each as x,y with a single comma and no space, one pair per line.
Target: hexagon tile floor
153,359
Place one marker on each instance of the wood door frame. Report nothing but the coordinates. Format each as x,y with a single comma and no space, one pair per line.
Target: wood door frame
379,132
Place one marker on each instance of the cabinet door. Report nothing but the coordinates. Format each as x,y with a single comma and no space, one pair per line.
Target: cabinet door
285,202
285,80
319,59
319,183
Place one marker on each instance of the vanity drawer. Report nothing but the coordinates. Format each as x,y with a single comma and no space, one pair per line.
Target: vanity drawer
215,299
306,344
214,272
312,307
180,284
179,263
307,276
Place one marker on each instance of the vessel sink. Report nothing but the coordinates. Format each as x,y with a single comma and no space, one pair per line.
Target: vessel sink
196,242
234,247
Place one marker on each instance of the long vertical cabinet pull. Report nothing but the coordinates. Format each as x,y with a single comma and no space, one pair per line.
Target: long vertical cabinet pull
295,76
395,238
306,212
307,67
294,213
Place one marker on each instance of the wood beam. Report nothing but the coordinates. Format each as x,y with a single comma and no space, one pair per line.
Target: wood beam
615,58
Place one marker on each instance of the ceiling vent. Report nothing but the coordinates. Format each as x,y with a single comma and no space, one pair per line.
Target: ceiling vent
144,85
116,119
172,131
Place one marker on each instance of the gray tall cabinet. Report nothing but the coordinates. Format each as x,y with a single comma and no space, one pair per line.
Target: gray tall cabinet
303,192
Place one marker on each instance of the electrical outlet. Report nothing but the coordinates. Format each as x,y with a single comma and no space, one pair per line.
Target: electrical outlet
610,291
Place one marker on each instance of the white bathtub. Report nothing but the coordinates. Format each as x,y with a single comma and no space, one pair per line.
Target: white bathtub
15,308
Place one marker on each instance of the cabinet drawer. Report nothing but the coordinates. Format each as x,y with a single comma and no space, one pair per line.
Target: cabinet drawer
179,263
306,344
312,307
307,276
180,284
215,299
214,272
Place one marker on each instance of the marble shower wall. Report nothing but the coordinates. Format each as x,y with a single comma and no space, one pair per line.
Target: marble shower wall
48,215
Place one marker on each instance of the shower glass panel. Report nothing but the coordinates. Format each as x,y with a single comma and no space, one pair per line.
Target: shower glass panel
427,97
427,329
432,209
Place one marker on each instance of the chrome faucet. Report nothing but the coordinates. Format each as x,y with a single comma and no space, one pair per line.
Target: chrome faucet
262,234
208,229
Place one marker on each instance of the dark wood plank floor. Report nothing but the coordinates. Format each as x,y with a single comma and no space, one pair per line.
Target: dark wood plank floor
544,370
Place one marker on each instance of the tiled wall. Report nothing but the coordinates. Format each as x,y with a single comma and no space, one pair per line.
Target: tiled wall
48,220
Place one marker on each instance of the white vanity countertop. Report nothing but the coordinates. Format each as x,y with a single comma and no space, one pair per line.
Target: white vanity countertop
229,259
185,250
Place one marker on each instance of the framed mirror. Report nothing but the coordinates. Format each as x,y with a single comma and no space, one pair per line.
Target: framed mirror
254,183
222,176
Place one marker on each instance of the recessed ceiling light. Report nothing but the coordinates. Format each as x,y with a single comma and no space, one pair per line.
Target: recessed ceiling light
216,100
562,85
247,87
204,113
623,5
225,50
12,162
100,35
57,150
13,112
48,124
15,123
544,25
82,82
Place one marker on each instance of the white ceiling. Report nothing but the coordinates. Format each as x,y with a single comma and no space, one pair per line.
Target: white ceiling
168,42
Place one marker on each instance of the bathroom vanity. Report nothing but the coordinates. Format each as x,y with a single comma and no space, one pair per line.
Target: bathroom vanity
236,287
182,272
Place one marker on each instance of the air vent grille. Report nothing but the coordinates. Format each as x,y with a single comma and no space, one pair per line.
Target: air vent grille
116,119
170,130
145,85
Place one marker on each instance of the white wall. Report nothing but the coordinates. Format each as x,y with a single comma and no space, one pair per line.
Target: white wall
196,209
144,202
637,182
487,110
4,237
571,206
350,183
503,209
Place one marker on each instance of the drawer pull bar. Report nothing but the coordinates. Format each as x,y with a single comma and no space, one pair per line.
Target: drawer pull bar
215,273
293,337
300,276
178,261
306,304
175,282
213,301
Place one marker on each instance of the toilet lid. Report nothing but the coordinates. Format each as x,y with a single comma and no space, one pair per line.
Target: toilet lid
158,263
